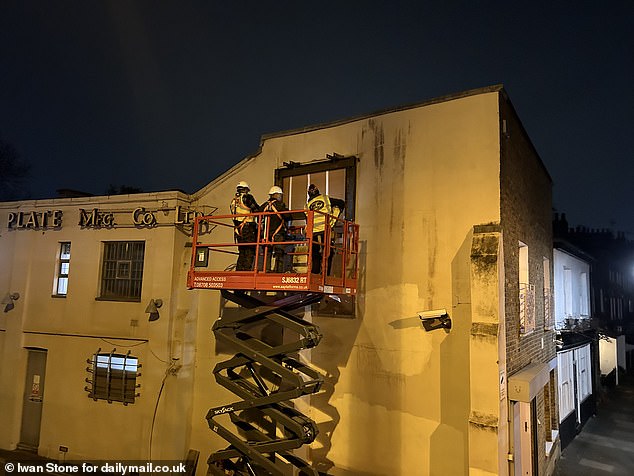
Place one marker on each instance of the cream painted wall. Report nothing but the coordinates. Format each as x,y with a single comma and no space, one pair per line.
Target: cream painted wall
13,362
9,396
612,353
71,329
399,398
487,425
608,354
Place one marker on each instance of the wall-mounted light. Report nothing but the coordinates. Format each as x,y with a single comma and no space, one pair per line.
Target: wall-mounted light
8,301
152,309
435,319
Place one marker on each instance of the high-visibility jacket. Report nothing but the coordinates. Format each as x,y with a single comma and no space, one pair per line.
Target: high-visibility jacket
319,203
238,207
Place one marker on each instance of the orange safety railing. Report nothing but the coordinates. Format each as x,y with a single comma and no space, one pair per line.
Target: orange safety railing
324,261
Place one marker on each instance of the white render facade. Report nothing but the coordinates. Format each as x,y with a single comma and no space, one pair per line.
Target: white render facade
577,353
572,288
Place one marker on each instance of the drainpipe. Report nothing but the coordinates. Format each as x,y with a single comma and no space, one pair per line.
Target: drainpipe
616,359
511,448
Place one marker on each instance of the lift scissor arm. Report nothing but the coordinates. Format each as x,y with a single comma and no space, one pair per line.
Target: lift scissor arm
266,335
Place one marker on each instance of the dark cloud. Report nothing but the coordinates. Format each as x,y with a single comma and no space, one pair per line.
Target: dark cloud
164,95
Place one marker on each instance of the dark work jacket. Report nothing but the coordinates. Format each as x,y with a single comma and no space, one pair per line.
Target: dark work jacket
277,222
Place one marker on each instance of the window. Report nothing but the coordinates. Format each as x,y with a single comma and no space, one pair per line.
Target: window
330,182
584,372
526,294
122,270
335,177
63,267
549,316
565,372
113,377
584,299
567,292
550,410
601,300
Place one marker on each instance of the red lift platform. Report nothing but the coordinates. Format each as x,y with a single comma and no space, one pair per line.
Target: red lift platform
215,252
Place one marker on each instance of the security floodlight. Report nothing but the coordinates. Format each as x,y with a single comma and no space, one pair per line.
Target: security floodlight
435,319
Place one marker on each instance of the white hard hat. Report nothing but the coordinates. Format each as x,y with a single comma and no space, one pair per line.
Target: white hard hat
275,189
242,184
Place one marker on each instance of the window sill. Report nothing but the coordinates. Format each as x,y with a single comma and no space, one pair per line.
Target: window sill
118,299
58,296
551,444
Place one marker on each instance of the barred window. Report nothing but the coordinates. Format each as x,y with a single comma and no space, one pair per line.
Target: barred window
113,377
122,271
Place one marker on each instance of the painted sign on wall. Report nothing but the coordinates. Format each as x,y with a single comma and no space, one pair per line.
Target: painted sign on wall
98,218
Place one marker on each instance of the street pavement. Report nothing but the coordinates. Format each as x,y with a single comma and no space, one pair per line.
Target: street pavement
605,445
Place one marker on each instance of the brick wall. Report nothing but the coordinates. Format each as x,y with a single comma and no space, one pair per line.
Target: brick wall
526,203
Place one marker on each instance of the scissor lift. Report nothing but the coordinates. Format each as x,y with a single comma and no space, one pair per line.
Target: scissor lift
266,334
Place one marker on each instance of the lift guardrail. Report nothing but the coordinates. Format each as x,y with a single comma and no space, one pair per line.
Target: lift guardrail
215,252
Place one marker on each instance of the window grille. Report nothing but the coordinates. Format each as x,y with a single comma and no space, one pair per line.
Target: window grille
527,308
113,377
549,317
122,271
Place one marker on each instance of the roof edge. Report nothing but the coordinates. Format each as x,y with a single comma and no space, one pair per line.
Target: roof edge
121,198
381,112
499,88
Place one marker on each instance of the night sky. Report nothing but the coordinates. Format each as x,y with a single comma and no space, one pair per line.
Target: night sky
167,95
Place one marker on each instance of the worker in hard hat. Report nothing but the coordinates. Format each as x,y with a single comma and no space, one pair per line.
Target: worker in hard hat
275,226
244,226
325,204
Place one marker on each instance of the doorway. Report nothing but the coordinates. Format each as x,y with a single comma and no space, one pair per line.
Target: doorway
33,400
525,438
